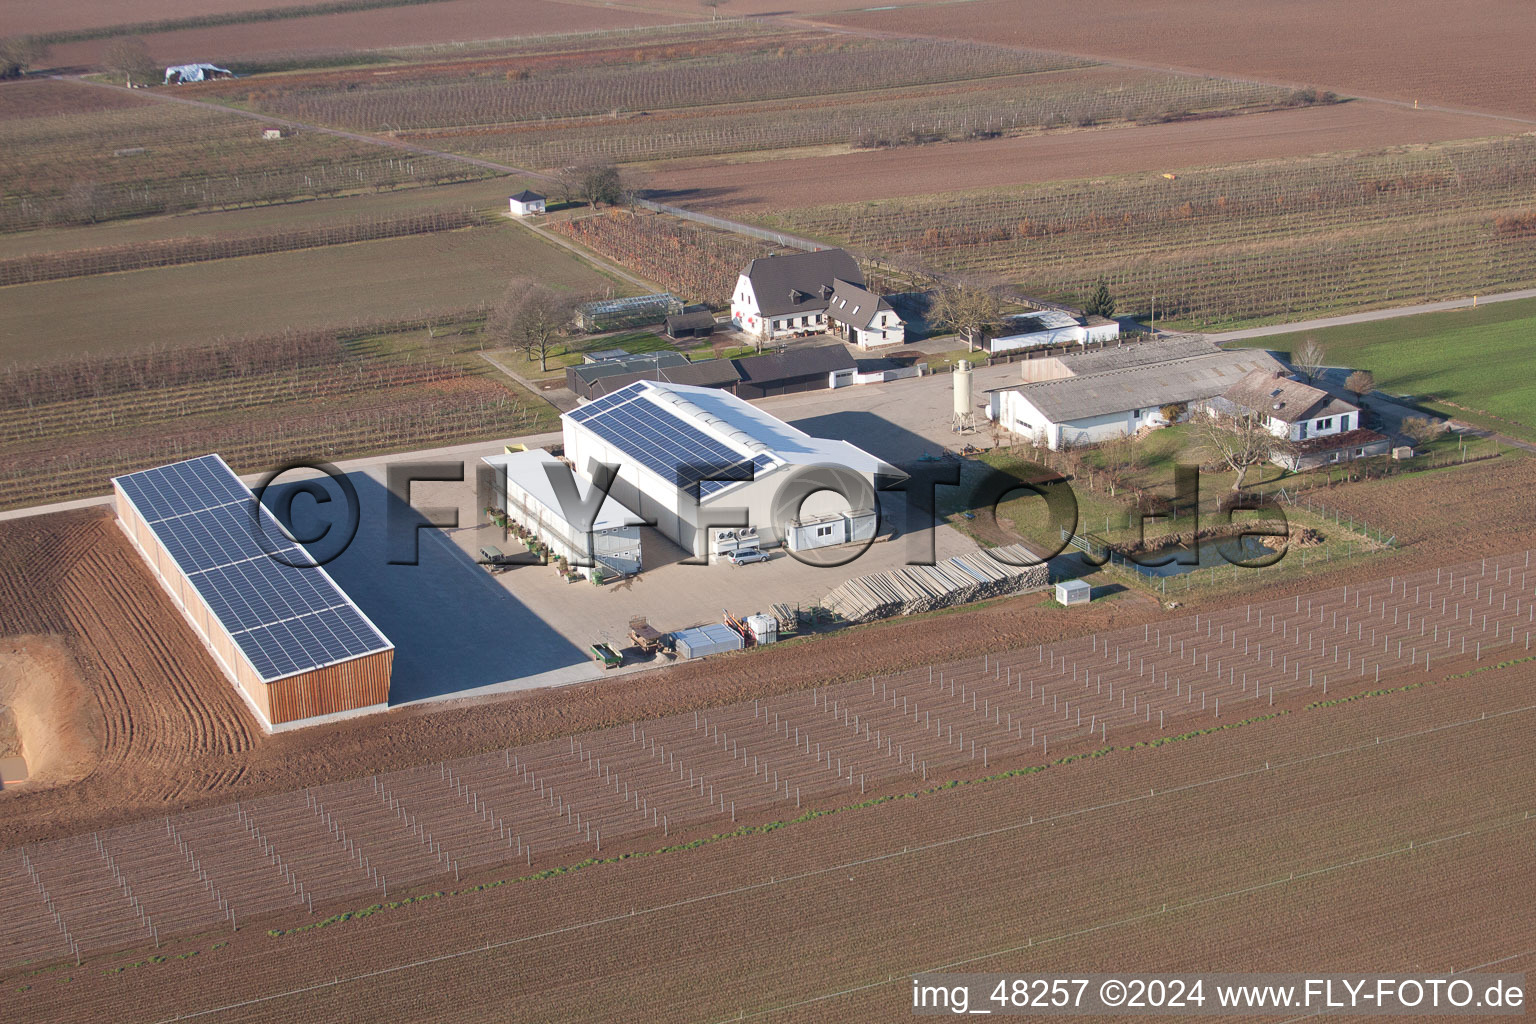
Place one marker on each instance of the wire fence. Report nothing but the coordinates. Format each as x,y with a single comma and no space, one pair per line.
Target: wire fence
1366,537
736,227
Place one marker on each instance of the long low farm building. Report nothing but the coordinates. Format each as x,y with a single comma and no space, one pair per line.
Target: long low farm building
688,455
296,648
1126,390
528,488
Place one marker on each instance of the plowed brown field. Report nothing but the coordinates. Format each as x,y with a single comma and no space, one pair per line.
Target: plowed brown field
420,25
1463,55
27,17
1363,836
763,186
164,722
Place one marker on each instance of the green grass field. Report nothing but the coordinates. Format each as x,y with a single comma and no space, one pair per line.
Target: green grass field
1473,364
366,282
633,342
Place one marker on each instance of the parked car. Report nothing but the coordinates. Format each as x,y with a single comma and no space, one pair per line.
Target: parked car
746,556
493,559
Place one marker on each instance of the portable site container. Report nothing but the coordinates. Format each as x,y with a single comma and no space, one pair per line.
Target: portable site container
1071,592
712,638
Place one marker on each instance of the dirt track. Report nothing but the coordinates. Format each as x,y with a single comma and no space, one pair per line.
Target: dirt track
761,187
175,736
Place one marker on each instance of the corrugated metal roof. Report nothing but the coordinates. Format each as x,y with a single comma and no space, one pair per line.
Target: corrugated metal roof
1139,387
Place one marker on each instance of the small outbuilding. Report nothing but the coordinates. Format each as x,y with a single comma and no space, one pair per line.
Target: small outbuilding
793,370
526,492
271,134
526,203
699,323
1070,592
594,380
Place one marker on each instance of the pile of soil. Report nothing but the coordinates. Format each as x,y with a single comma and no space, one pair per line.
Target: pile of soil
10,739
49,710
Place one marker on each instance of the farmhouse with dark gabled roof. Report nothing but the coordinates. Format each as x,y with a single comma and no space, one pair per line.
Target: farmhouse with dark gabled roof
811,293
1321,426
864,318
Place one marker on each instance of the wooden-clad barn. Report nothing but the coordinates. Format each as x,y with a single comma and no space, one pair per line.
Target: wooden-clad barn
297,648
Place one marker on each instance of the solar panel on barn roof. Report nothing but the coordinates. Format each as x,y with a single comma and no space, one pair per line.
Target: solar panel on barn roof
284,612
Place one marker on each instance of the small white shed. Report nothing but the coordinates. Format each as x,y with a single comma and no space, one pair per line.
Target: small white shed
1070,592
525,203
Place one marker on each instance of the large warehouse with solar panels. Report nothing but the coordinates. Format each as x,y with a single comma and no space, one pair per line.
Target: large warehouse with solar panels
295,646
668,439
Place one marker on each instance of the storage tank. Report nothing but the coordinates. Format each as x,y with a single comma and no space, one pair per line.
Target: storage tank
965,415
765,629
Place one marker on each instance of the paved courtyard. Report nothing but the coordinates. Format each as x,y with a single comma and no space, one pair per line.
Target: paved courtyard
460,631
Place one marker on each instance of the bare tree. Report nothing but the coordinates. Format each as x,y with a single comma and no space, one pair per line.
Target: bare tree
967,310
1422,429
594,184
1239,441
533,318
19,54
1360,383
1309,358
129,57
714,7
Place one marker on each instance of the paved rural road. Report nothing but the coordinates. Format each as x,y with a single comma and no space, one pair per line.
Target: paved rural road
1369,317
469,452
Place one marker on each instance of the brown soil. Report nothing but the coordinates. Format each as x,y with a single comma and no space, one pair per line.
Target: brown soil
138,710
762,187
419,25
10,738
1409,50
176,736
1067,869
54,719
46,98
28,17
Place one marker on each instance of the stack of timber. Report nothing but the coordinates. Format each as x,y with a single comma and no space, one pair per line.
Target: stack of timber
952,581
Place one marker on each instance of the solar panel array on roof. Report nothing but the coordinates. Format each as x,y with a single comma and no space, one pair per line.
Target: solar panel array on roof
284,612
225,534
671,448
737,474
602,405
183,487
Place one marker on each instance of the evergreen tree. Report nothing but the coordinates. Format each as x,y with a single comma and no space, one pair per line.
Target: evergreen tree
1100,303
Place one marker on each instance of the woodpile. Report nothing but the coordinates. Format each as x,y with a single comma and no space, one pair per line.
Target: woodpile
952,581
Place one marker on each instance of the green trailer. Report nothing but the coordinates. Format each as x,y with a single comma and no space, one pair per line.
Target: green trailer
607,655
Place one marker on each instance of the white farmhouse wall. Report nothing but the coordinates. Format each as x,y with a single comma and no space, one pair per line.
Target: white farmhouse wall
1016,413
1038,339
744,311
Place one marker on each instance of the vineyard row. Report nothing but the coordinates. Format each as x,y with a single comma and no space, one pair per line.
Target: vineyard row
168,252
522,809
